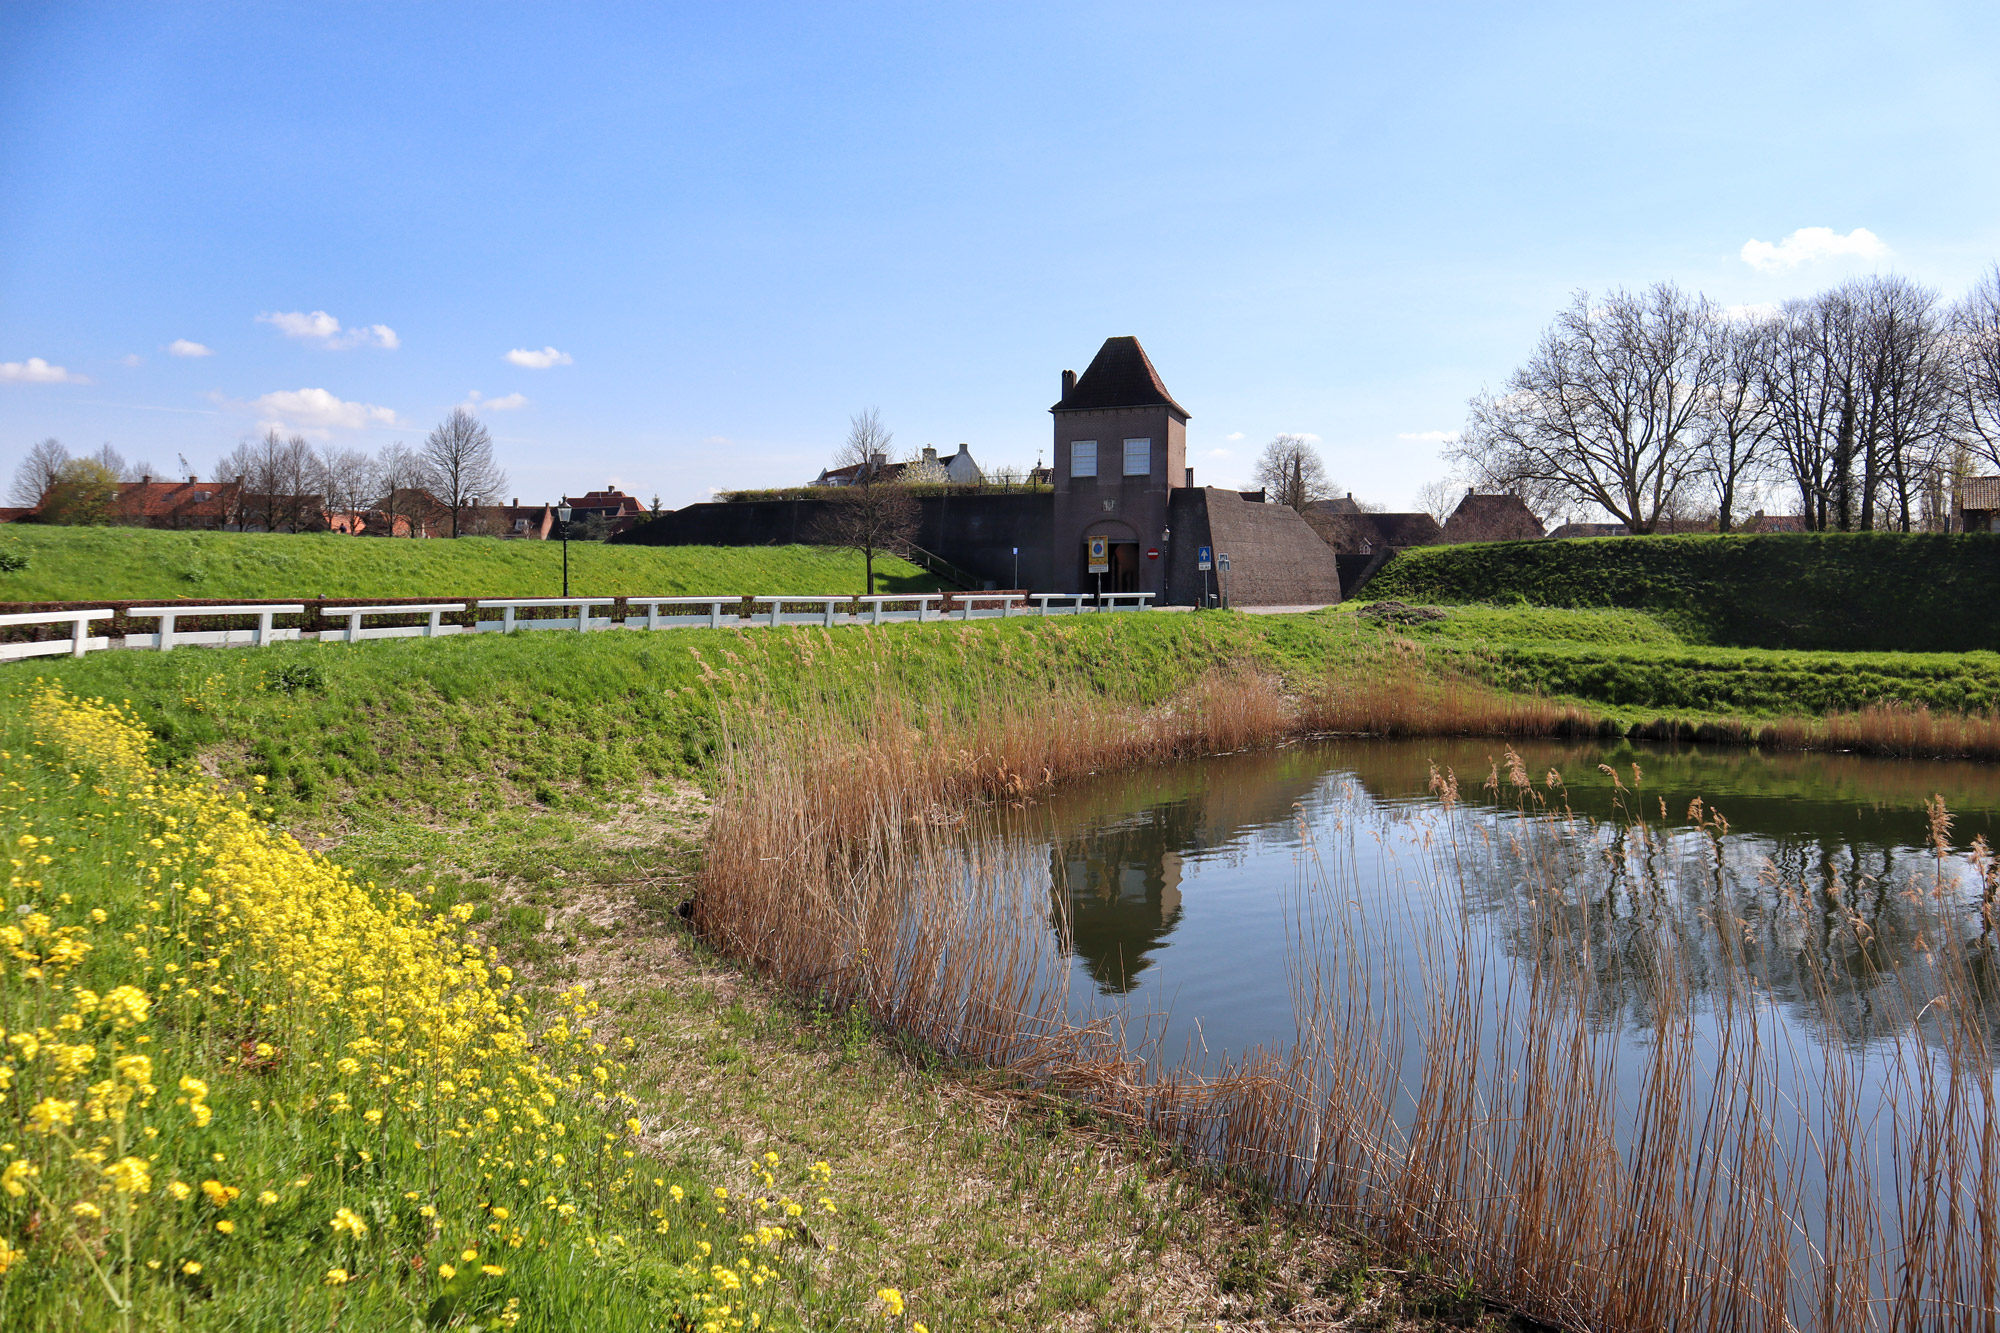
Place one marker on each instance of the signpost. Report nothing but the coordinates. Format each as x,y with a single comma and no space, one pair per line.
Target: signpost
1222,567
1204,559
1100,562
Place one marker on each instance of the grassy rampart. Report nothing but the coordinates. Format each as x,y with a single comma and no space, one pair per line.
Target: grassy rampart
66,564
1880,592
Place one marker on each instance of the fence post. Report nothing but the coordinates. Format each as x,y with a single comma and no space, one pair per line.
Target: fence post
507,620
79,635
437,618
264,619
167,630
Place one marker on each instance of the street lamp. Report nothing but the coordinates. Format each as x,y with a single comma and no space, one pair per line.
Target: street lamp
562,517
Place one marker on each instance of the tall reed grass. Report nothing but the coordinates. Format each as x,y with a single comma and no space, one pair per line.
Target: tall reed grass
1481,1111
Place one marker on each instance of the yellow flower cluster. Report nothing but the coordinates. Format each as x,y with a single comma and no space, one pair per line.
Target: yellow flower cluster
228,986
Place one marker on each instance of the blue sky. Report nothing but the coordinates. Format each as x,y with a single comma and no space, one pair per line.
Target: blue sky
737,224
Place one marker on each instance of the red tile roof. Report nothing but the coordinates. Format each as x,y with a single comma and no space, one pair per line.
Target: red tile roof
1120,375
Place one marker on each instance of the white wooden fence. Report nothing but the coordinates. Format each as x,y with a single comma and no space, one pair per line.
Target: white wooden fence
576,614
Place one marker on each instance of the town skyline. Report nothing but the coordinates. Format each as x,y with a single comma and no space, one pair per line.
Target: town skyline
675,251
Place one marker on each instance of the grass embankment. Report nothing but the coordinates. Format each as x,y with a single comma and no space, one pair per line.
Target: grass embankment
1866,592
1636,667
556,788
73,564
552,788
249,1091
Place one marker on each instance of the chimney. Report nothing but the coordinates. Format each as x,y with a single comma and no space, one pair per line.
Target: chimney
517,502
930,454
1069,383
1190,478
877,461
146,480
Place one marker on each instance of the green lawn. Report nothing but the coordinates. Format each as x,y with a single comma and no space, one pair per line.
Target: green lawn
76,564
1857,591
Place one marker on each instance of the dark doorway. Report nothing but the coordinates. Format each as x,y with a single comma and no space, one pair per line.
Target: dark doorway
1124,575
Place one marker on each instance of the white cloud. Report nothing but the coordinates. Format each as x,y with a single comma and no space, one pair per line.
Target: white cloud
1429,436
1745,314
718,439
325,330
479,402
319,409
37,371
188,347
131,359
1809,245
1222,453
1234,435
542,360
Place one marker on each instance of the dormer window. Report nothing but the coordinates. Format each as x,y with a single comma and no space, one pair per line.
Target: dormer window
1083,458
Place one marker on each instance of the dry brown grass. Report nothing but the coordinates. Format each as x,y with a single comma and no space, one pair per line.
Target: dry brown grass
1748,1184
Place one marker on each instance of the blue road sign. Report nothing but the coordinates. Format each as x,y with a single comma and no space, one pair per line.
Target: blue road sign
1204,559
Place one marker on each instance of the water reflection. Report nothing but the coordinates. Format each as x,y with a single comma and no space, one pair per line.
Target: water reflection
1172,880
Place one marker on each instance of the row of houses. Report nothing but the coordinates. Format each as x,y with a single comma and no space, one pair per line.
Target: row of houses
231,506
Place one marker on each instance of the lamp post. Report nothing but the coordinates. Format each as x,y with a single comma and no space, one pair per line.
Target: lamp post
562,517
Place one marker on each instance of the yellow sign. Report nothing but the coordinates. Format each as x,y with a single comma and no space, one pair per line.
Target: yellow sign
1100,555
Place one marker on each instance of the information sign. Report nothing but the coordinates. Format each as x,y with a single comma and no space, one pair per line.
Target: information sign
1204,558
1100,555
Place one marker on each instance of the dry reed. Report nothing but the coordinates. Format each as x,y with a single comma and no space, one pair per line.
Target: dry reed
1472,1112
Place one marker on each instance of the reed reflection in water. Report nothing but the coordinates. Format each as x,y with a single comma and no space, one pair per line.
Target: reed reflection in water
1169,886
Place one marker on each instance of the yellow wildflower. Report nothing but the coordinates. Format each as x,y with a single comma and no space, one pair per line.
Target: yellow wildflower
130,1175
336,1277
891,1298
346,1219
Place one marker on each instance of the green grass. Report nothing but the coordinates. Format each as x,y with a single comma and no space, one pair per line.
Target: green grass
481,722
78,564
1869,592
1635,665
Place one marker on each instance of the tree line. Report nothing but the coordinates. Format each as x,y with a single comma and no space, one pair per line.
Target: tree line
1868,401
289,484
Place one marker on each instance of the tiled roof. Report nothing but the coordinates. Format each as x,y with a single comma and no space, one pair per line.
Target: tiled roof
1979,493
166,499
1488,518
1120,375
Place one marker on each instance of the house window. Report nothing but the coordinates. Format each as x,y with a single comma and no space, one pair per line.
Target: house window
520,525
202,497
1083,458
1138,458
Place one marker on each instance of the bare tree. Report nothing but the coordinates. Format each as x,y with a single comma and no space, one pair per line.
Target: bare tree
869,517
404,480
459,453
866,447
1975,324
41,469
279,491
1737,422
1867,396
1291,473
1440,497
1912,398
1607,410
344,478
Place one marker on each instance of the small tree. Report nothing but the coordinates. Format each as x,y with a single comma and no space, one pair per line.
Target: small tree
1291,473
85,492
40,470
459,455
868,517
1440,498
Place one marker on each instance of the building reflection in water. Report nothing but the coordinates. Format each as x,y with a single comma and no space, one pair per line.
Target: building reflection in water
1120,847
